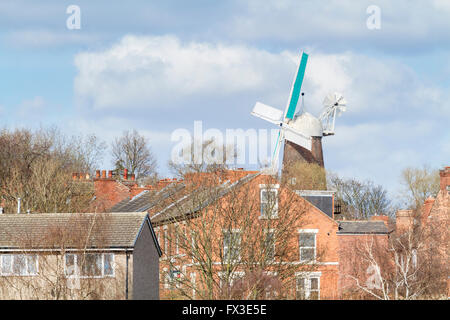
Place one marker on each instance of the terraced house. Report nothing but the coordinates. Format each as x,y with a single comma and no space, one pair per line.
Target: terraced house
240,234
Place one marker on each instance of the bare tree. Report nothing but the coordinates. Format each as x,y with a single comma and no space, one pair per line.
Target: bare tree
360,200
418,185
236,247
131,151
214,157
36,167
410,265
305,176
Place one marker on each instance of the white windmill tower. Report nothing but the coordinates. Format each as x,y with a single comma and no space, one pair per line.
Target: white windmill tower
303,132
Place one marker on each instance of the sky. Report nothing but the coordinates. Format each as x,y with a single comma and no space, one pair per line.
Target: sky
158,66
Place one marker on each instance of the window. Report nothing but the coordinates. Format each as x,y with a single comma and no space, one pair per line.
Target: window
19,264
269,202
308,287
307,244
269,245
89,265
231,245
193,283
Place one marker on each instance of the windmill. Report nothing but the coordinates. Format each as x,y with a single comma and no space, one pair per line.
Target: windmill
301,132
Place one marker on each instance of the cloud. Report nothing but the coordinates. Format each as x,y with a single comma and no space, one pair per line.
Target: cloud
162,83
151,71
145,72
406,26
47,38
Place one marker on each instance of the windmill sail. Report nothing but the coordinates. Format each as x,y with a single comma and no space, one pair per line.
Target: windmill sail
296,87
267,113
282,119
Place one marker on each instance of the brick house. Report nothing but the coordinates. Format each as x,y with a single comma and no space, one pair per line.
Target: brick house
433,220
315,231
78,256
173,202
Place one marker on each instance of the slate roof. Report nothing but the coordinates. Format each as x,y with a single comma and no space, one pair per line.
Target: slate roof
52,230
197,200
147,199
362,227
175,201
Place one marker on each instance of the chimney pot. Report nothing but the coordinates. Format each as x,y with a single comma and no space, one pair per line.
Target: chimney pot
74,176
103,174
133,177
125,174
110,174
97,174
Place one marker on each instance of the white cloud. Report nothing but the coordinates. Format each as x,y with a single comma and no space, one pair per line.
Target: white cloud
143,71
340,24
391,117
162,72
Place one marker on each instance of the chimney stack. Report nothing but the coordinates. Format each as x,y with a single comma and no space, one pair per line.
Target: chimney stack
404,219
445,179
125,174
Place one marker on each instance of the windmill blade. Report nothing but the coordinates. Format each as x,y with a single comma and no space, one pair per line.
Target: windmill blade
296,87
267,113
276,152
297,138
334,104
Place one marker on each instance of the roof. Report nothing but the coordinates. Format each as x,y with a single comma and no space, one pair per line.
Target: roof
72,230
147,199
197,200
362,227
175,201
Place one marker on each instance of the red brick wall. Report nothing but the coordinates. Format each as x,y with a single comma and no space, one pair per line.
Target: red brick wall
326,238
352,263
108,192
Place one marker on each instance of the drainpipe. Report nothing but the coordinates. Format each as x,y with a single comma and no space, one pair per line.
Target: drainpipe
126,276
18,205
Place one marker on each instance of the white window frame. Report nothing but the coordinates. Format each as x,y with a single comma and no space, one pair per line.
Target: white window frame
307,231
268,188
13,258
193,276
233,231
78,272
308,276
